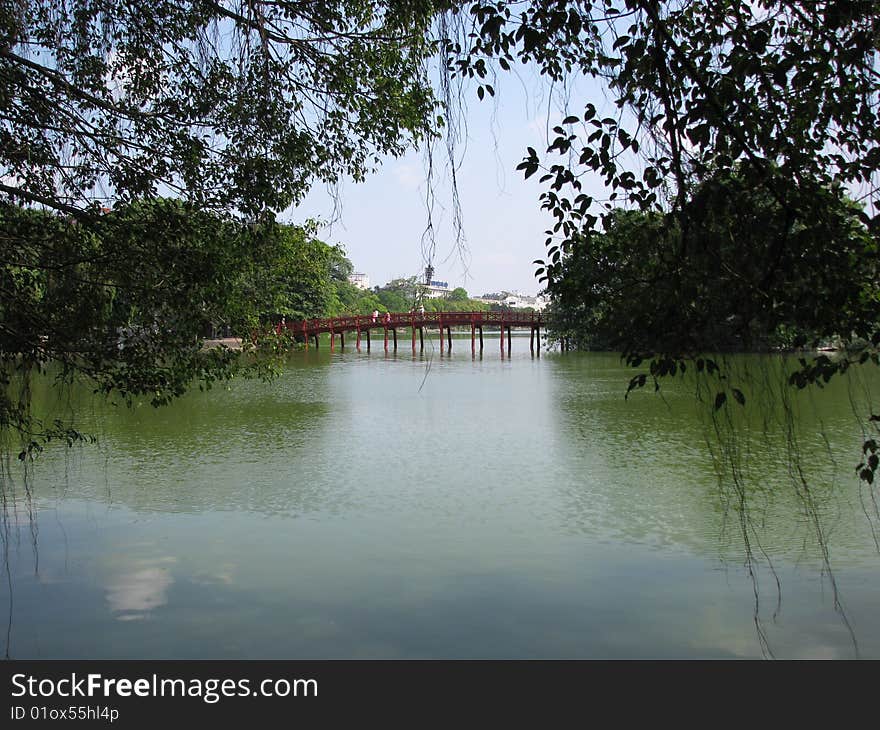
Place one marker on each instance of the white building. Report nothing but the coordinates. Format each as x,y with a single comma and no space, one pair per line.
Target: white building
436,289
515,300
361,281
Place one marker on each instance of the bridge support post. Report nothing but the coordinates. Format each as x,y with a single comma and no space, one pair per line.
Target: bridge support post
368,339
449,338
473,338
481,338
342,340
421,339
386,338
358,343
305,334
316,340
509,338
332,340
441,333
394,335
502,337
538,337
413,328
532,340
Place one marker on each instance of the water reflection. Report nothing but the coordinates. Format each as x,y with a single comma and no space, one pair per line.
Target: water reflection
643,472
245,448
632,470
372,506
133,596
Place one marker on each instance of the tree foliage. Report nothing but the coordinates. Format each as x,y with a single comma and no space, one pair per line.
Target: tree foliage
228,104
109,110
399,295
783,92
633,288
127,299
404,294
291,273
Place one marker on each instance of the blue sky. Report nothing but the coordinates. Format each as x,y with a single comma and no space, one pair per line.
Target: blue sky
380,222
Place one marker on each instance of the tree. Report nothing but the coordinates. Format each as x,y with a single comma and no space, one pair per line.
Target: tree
346,298
632,288
292,274
229,105
108,109
459,294
126,300
352,300
399,295
603,287
444,304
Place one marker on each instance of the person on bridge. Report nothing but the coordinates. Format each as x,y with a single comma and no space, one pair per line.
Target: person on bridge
422,310
387,318
375,315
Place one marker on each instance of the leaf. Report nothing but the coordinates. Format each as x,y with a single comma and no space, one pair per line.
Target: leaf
570,120
737,394
720,400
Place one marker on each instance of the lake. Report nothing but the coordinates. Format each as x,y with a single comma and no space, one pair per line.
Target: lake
425,506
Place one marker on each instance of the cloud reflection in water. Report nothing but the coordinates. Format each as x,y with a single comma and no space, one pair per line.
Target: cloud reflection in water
134,595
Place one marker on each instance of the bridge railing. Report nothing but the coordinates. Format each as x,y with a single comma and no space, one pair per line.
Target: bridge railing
351,323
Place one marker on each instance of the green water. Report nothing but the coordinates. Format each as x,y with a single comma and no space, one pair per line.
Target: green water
373,505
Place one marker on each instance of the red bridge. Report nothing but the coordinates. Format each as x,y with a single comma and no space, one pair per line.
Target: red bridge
390,322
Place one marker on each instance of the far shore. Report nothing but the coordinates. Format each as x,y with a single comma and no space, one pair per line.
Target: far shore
234,343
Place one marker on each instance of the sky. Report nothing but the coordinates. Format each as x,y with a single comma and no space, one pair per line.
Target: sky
380,222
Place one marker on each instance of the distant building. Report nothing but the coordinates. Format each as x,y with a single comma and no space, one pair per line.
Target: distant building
437,289
361,281
515,300
432,288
